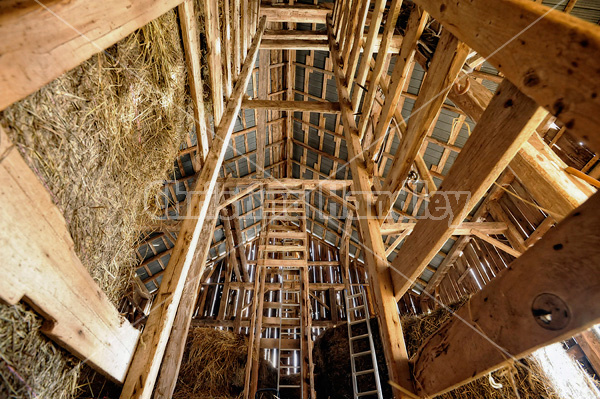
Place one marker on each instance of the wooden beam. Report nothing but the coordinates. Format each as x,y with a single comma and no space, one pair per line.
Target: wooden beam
79,29
461,229
547,295
325,107
448,59
149,354
505,125
414,29
535,165
169,370
40,266
294,34
526,41
191,37
213,43
264,87
363,69
309,184
378,70
498,244
379,274
294,14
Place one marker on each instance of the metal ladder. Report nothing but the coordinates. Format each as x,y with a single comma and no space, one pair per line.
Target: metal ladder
357,312
290,328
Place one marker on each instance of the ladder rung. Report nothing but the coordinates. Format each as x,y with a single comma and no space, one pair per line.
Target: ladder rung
289,367
354,296
356,307
364,372
292,386
357,321
361,353
367,393
359,337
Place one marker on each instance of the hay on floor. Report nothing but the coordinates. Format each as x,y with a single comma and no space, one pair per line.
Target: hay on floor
98,138
214,366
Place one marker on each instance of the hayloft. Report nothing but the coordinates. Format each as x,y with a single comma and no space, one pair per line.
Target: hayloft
328,199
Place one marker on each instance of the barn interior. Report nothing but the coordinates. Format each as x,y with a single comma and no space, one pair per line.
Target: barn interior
300,199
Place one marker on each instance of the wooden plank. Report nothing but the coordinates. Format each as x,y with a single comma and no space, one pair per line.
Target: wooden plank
498,244
379,274
363,69
264,87
535,165
378,70
446,64
149,354
560,270
40,42
325,107
42,268
213,44
191,37
169,370
294,34
414,29
526,41
590,345
461,229
287,44
506,124
293,14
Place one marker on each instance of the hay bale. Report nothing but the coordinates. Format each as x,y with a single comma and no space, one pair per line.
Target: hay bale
99,137
214,366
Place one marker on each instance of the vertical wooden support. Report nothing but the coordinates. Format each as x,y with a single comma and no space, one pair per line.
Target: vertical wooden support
213,43
191,45
149,354
169,369
379,273
264,86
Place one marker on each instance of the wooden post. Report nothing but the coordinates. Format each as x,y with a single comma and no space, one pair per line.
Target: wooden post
169,369
148,357
379,273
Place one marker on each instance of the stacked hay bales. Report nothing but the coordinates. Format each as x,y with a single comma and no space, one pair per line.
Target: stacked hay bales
99,137
333,374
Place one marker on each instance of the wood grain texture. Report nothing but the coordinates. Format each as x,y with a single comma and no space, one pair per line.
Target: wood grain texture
149,354
549,55
40,43
375,258
507,123
563,263
446,64
41,268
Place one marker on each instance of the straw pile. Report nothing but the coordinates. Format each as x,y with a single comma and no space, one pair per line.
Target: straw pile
214,364
97,137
